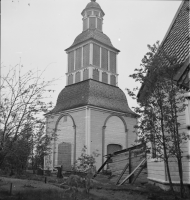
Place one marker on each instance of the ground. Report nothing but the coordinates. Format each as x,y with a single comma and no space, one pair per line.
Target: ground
35,188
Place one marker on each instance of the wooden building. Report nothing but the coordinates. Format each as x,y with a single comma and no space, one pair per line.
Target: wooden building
91,110
176,43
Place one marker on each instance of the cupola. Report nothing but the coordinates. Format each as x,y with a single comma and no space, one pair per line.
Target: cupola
92,16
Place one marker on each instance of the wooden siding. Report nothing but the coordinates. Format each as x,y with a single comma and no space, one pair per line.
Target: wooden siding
156,170
79,118
115,133
133,158
97,121
114,127
65,133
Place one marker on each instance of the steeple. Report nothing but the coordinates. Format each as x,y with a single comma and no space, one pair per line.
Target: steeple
92,55
92,16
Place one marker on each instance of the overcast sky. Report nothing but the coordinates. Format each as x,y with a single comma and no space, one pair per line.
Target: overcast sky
38,32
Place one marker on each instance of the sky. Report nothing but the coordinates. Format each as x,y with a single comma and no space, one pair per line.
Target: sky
36,33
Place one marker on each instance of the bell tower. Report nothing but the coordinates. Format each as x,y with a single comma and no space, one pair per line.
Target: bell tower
92,55
91,110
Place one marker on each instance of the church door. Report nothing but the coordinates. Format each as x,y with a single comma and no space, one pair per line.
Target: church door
64,155
111,148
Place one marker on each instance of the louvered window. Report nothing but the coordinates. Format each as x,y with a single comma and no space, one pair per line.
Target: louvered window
78,58
96,55
71,61
86,54
104,59
112,62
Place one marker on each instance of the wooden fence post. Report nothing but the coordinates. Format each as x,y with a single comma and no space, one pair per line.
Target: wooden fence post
11,188
130,167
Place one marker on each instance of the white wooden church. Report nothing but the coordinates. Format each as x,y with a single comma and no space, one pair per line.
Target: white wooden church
91,110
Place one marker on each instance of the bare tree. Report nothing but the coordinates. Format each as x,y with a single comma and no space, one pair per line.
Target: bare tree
23,103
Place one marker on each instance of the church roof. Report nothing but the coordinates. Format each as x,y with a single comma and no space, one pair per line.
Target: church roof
176,43
92,34
177,40
94,93
91,5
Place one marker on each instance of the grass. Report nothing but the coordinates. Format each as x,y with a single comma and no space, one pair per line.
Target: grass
47,195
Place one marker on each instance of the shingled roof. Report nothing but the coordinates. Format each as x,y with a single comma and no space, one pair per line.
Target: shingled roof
94,93
177,40
176,44
91,5
92,34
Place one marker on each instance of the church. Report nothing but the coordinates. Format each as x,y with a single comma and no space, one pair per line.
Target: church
91,110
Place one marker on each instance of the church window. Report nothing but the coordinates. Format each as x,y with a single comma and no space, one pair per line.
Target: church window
85,74
86,54
104,77
71,61
96,74
92,24
70,79
112,62
96,55
78,58
113,80
77,77
104,58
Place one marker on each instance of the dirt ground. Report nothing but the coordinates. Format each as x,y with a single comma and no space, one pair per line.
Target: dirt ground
102,190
